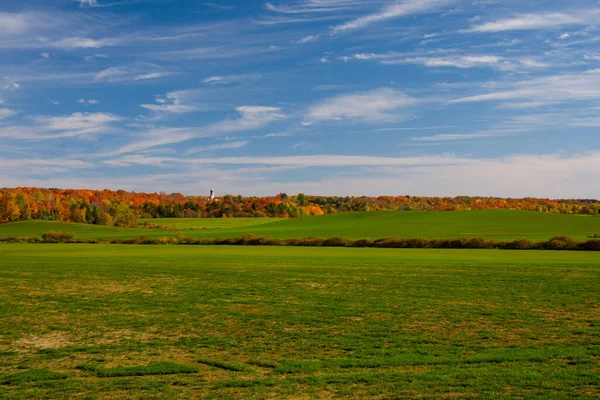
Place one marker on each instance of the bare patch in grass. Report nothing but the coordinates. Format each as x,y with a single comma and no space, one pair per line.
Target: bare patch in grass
53,340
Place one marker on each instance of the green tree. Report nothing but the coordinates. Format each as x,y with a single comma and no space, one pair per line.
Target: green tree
301,200
124,215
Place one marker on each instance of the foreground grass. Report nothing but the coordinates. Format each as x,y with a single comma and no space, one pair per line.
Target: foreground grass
501,225
269,322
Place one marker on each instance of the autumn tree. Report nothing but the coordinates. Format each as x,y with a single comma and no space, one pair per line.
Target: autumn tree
9,209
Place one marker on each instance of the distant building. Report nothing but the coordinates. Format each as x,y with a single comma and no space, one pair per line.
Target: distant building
212,194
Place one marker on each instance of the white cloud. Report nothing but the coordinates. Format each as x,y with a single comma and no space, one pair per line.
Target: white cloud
84,43
551,89
133,72
91,3
214,147
564,36
227,79
375,105
445,137
74,125
152,75
94,57
10,84
502,63
78,123
396,10
251,118
14,24
83,101
315,6
535,21
322,160
173,104
517,175
45,55
456,62
155,138
307,39
169,108
20,167
6,113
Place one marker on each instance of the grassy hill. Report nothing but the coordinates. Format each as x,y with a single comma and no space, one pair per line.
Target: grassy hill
508,225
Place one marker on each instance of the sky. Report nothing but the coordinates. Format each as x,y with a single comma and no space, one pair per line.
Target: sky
324,97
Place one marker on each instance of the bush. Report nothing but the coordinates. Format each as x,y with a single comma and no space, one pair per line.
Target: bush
337,242
309,242
560,243
417,243
188,241
58,237
522,244
481,243
362,243
590,245
262,241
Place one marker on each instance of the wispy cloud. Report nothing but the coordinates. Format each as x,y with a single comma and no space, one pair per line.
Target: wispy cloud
74,125
445,137
6,113
228,79
551,89
215,147
307,39
315,6
132,72
19,23
250,118
537,21
90,3
392,11
371,106
84,43
90,102
78,124
154,138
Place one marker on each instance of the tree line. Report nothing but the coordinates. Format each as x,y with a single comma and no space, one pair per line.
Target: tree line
123,208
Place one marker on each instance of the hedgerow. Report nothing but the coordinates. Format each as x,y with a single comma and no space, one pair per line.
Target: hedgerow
555,243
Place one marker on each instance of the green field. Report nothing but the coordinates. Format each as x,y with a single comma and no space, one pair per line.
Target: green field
504,225
110,321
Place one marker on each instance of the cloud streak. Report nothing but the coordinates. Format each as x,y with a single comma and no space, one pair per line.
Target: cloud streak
536,21
377,105
392,11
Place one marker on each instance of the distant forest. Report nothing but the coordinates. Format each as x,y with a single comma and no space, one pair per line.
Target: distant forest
122,208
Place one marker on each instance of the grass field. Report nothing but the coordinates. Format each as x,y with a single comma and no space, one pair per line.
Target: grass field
110,321
504,225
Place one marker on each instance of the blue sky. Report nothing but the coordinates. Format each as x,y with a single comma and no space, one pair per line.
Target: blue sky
332,97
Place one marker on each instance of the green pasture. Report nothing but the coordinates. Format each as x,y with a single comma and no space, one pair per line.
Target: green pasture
117,321
503,225
207,223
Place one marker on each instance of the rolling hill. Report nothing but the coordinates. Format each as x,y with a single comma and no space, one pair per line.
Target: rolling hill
507,225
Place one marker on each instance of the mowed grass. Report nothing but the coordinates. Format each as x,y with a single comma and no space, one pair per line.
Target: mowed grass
208,223
503,225
109,321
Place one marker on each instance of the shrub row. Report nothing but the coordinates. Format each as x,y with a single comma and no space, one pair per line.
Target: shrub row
556,243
